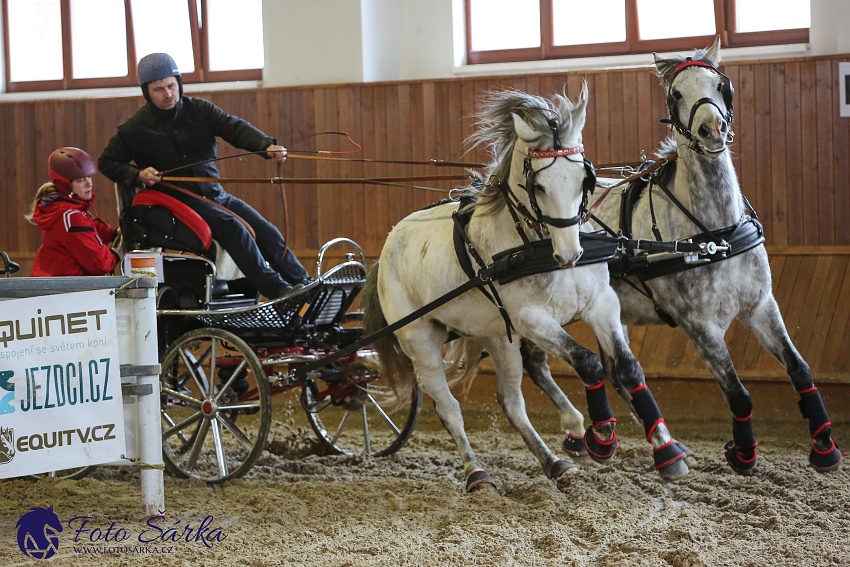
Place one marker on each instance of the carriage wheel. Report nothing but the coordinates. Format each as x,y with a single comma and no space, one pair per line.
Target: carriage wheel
215,406
353,411
65,474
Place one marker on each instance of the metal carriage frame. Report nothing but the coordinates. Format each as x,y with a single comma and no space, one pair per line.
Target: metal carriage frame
225,354
223,363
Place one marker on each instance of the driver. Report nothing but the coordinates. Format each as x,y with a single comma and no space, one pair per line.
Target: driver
173,131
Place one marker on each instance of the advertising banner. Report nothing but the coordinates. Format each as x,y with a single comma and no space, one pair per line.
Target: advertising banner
60,383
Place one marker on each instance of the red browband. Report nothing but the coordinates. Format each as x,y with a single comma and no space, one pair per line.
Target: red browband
561,152
692,63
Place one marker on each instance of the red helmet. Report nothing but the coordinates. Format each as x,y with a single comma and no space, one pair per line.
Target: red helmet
66,164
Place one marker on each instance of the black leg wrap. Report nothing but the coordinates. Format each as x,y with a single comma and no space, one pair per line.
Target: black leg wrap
812,408
600,451
825,461
667,454
646,408
741,450
598,407
600,412
573,445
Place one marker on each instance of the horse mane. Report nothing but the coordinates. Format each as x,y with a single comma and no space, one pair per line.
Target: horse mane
664,67
495,129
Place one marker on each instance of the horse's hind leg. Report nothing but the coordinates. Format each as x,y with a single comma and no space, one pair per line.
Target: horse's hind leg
535,361
766,322
709,341
423,344
508,364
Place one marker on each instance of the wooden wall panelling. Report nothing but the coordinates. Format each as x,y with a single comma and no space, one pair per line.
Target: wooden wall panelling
761,185
793,168
599,95
777,180
826,97
807,232
834,357
825,298
841,173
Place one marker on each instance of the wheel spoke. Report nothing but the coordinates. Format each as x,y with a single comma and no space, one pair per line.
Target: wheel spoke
339,429
220,457
198,445
235,431
179,427
230,380
181,396
193,367
382,413
367,441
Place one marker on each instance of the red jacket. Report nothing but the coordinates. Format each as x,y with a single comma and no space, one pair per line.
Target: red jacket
72,242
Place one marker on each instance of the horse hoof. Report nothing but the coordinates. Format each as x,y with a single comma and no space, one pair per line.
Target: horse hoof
670,460
736,459
560,467
825,461
480,479
600,451
690,456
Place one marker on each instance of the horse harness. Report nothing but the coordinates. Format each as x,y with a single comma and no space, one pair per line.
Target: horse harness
532,257
649,259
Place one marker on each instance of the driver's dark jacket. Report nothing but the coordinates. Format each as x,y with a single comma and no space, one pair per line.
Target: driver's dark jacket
168,139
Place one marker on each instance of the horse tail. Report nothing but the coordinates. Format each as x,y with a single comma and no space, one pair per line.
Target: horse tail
462,357
395,367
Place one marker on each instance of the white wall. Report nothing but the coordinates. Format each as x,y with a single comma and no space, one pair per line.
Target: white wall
829,33
311,42
342,41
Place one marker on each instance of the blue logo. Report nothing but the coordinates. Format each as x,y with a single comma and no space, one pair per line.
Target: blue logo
8,399
38,533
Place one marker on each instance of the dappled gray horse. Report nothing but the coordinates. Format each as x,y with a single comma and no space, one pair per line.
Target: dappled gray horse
695,196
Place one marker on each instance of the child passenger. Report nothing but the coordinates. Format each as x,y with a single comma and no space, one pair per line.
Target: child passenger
73,239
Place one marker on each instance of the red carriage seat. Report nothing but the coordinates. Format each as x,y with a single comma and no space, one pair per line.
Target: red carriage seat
156,219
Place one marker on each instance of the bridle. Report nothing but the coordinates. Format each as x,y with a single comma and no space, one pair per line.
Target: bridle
536,219
724,88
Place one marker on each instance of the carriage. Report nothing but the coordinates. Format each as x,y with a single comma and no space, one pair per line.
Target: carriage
225,354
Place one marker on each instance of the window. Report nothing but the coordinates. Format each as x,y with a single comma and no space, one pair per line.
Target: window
69,44
527,30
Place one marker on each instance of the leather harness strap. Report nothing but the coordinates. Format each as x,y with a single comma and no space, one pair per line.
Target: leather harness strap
210,202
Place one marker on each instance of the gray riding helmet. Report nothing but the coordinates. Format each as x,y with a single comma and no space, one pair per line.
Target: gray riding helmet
157,66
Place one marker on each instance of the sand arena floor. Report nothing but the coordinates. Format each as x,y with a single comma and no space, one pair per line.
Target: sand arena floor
299,508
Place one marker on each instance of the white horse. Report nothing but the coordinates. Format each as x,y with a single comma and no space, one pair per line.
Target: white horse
538,174
697,195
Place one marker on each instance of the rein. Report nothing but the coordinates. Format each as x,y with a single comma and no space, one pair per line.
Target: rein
320,180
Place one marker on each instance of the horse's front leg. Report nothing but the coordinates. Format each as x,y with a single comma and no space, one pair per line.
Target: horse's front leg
535,360
625,371
766,323
600,439
508,365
